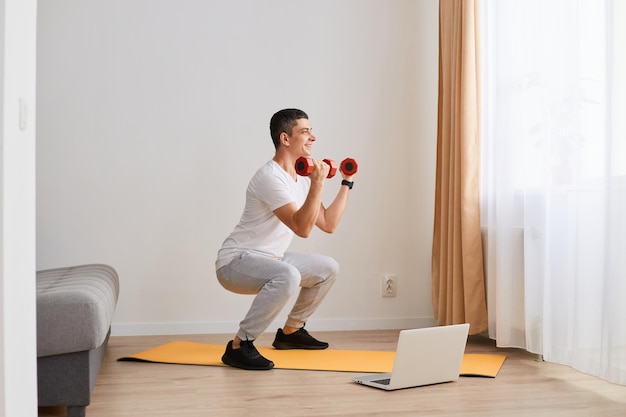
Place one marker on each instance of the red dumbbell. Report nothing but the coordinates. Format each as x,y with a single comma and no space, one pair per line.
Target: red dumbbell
304,166
349,166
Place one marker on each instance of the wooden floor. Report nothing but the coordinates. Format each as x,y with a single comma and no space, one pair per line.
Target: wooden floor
525,386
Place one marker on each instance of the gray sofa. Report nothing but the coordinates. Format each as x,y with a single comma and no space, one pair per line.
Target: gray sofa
75,307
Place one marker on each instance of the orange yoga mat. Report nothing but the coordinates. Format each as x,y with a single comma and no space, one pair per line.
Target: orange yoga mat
192,353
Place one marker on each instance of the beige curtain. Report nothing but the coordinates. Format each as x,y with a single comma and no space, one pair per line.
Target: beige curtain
457,260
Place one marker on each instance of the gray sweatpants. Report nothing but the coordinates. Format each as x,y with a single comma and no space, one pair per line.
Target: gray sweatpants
274,281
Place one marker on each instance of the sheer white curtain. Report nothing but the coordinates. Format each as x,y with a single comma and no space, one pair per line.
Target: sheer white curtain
554,180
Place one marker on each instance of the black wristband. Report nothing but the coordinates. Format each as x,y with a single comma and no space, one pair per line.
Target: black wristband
349,184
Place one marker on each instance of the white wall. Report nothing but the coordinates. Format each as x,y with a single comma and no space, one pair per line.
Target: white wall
153,115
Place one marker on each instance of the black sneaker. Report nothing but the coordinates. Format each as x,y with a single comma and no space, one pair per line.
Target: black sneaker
301,339
246,357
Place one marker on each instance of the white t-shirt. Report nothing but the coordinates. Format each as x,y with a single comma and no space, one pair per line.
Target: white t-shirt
259,230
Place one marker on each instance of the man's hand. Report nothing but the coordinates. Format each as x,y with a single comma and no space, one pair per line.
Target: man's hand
320,172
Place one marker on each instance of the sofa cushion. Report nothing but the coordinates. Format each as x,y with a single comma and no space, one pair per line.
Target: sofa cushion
75,307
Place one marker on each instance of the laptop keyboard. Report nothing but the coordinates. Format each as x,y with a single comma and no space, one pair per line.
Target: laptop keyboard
383,381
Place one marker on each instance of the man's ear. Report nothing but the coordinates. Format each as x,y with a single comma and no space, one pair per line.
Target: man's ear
284,139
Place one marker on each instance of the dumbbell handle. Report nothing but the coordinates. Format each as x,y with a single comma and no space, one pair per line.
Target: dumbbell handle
304,167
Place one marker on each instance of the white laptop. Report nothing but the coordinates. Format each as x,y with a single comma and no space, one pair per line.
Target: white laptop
425,356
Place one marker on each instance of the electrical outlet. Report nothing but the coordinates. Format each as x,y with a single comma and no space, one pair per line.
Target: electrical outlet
389,285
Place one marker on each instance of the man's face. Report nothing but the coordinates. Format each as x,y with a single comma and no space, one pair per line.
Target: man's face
302,138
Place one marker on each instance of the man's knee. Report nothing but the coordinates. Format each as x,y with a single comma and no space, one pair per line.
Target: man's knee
332,268
326,274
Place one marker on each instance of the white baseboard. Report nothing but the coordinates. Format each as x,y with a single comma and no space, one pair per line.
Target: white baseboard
153,329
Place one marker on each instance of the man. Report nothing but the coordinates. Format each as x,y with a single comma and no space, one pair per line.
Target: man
254,259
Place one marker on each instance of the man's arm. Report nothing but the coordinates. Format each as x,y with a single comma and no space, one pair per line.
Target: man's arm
328,218
302,220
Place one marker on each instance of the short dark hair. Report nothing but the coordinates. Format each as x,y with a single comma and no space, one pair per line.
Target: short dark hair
284,121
